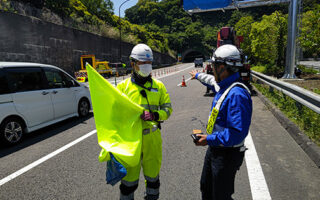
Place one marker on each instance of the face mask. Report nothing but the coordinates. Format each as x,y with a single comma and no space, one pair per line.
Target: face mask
145,70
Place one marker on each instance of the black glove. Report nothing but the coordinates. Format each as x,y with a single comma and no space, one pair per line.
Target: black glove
149,116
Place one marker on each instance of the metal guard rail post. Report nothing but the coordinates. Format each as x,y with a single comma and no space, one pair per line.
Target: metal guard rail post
303,96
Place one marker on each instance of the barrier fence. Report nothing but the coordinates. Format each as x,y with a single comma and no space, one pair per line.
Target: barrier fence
303,96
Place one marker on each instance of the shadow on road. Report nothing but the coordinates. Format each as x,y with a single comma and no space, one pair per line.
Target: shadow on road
42,134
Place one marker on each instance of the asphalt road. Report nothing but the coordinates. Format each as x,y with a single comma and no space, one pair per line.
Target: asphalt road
275,166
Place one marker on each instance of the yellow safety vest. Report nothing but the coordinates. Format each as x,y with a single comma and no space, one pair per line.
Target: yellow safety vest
215,110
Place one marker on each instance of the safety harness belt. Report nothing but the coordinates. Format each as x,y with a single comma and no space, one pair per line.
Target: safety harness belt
216,108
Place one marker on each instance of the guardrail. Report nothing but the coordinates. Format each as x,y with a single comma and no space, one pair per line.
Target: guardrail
303,96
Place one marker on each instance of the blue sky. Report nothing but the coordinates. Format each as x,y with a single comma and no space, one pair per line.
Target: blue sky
117,3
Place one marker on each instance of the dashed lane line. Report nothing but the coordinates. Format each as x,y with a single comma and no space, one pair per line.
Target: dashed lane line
47,157
43,159
258,185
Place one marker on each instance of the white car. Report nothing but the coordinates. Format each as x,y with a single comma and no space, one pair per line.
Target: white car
34,95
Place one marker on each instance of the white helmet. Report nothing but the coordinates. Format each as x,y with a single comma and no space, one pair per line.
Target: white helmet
142,52
228,54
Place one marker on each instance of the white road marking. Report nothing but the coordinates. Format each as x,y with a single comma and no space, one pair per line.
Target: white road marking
157,77
47,157
43,159
258,184
175,72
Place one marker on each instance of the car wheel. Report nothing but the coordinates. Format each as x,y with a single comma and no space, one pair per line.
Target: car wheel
83,108
11,130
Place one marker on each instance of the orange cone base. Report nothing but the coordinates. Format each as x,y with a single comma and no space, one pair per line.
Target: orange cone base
183,84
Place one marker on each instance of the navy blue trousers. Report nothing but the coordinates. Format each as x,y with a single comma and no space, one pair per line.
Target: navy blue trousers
219,171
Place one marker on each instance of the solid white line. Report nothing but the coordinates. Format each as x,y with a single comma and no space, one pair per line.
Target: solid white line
175,72
258,185
163,76
43,159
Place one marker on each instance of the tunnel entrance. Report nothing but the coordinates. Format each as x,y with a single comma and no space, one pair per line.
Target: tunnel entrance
189,57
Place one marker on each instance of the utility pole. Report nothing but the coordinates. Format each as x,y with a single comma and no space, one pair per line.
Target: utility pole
291,46
120,53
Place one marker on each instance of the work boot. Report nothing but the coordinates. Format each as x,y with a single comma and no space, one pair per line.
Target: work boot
127,197
151,197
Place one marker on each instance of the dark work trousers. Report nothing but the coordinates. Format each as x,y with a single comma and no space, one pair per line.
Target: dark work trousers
219,171
209,72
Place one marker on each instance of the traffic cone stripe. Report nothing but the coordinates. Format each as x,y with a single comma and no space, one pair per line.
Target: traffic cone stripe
183,84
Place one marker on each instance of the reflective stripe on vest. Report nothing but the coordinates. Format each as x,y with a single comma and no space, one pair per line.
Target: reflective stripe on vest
215,110
149,130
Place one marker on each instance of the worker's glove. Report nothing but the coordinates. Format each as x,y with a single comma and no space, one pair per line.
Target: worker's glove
147,116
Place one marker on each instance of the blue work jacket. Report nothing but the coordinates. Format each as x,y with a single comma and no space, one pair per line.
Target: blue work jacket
234,118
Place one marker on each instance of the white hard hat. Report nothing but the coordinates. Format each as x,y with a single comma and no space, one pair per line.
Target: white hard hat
228,54
142,52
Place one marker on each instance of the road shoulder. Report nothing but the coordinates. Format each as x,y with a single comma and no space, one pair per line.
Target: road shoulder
308,146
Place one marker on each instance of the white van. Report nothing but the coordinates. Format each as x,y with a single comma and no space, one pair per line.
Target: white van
33,96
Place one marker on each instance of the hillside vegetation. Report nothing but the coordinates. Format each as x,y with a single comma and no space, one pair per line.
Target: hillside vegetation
167,28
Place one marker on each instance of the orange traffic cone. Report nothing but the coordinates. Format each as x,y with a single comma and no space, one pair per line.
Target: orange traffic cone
183,84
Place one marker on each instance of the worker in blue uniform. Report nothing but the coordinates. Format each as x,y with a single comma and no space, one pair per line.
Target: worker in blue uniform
228,124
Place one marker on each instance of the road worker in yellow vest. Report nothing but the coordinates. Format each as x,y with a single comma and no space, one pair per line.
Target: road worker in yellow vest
151,94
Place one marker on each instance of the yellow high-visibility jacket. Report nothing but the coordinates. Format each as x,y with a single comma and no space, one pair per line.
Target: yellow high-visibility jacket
158,97
159,101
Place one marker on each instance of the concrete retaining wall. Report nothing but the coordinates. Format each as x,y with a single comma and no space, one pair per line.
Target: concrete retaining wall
29,39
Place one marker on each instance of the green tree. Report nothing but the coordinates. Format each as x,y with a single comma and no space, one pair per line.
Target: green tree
209,38
37,4
309,4
268,38
243,28
310,32
103,9
61,7
236,16
194,33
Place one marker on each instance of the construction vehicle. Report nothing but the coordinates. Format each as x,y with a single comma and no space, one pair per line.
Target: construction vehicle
119,69
102,68
227,35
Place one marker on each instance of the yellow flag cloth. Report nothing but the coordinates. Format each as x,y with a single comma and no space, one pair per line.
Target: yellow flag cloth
117,119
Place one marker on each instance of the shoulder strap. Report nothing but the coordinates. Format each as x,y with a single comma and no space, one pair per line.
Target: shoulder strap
223,96
215,111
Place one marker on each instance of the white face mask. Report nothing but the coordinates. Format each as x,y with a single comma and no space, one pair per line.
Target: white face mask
145,70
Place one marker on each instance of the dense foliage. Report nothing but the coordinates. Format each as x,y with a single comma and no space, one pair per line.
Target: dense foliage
310,32
306,119
267,37
184,31
165,26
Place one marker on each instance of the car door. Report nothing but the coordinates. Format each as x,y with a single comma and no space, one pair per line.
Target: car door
63,97
6,103
29,96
